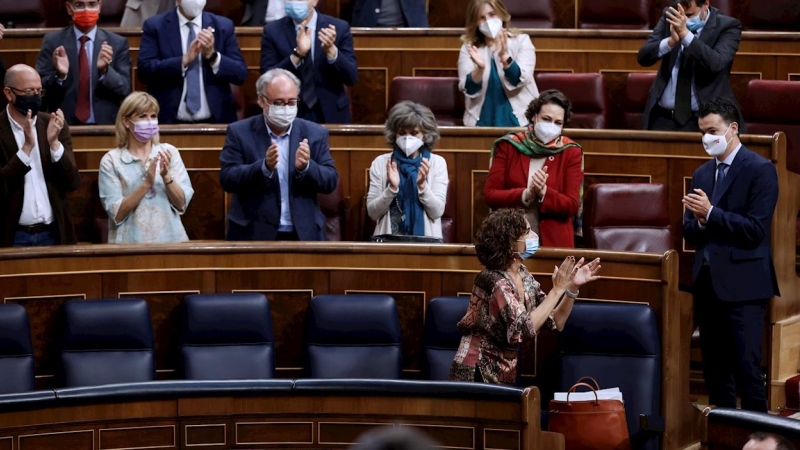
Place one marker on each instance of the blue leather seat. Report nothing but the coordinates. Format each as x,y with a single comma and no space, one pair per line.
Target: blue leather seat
107,342
440,338
228,337
618,345
16,350
353,336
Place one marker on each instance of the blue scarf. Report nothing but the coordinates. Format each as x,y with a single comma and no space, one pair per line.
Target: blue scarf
407,195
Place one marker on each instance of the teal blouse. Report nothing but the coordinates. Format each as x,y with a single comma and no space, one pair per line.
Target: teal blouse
496,110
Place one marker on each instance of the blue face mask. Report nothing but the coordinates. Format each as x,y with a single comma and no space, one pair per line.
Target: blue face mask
296,10
531,245
695,23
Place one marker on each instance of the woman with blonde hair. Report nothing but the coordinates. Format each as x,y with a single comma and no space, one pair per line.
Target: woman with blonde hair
495,68
144,185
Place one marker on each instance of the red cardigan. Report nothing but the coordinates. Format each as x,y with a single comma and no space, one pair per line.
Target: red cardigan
508,177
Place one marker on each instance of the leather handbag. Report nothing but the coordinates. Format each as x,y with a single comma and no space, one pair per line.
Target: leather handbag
590,425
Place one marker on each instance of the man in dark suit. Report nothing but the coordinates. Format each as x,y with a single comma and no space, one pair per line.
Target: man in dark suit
275,165
728,218
390,13
37,167
85,70
318,49
259,12
188,59
696,45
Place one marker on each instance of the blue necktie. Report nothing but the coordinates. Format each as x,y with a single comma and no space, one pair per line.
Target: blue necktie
192,77
722,169
308,94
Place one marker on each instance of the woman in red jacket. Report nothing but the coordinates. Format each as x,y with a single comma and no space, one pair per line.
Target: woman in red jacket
541,171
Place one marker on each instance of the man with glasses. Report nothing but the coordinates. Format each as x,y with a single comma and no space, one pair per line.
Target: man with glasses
275,165
37,167
86,70
188,59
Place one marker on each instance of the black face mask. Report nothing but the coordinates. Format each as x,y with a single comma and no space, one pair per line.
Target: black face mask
24,103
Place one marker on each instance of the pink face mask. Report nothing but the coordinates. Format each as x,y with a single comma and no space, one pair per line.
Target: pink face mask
145,130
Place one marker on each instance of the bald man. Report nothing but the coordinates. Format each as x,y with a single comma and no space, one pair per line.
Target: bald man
37,167
767,441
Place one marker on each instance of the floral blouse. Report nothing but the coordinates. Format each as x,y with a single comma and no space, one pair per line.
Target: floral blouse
494,325
154,219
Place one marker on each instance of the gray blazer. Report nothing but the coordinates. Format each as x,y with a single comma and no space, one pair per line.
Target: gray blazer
107,94
137,11
712,55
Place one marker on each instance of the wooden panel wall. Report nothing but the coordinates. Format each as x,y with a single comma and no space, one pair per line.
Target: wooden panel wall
291,273
385,54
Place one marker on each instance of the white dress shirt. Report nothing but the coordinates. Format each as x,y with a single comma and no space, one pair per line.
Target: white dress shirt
36,206
667,100
312,24
276,9
204,112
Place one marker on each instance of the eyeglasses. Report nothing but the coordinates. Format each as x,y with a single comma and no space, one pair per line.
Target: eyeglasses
83,6
28,92
290,102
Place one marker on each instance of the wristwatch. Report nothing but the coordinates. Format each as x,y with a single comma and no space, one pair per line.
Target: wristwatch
296,53
509,60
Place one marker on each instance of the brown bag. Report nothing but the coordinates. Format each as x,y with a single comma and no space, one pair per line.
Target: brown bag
590,425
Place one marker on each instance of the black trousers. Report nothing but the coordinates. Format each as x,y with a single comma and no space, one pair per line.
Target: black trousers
662,120
730,341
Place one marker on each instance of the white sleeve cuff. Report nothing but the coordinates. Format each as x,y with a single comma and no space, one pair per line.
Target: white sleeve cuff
663,47
687,40
215,66
55,155
26,159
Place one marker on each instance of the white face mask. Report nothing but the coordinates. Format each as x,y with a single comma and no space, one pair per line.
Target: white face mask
282,116
546,131
716,145
491,28
192,8
409,144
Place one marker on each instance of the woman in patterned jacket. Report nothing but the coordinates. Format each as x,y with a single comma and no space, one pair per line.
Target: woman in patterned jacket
507,304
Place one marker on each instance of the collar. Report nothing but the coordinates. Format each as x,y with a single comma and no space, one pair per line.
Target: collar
275,136
729,159
13,122
78,33
312,22
127,157
198,21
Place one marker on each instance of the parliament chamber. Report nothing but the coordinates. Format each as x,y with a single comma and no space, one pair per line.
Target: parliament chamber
294,411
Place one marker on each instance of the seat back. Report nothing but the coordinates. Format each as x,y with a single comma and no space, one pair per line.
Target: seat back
333,207
618,345
776,15
353,336
629,217
23,14
440,94
531,13
771,106
228,337
728,428
111,13
586,92
107,342
614,14
440,337
16,350
637,89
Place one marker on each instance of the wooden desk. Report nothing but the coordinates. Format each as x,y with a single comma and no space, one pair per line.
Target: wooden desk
291,273
385,54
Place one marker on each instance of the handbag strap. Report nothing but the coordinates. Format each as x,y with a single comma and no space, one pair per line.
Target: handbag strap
576,385
596,384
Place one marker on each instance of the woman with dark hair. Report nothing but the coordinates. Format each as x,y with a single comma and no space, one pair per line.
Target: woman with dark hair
541,171
507,304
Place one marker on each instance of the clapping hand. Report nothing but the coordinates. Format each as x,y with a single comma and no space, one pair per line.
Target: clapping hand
538,186
476,56
501,46
563,275
192,52
586,273
272,157
165,158
392,174
54,127
104,58
699,204
677,21
327,39
302,156
206,39
304,39
61,62
150,175
572,275
422,173
30,134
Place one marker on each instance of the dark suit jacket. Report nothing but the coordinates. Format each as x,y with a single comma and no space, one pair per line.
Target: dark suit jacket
61,177
160,66
254,13
280,39
255,211
107,94
414,14
737,233
712,55
508,177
